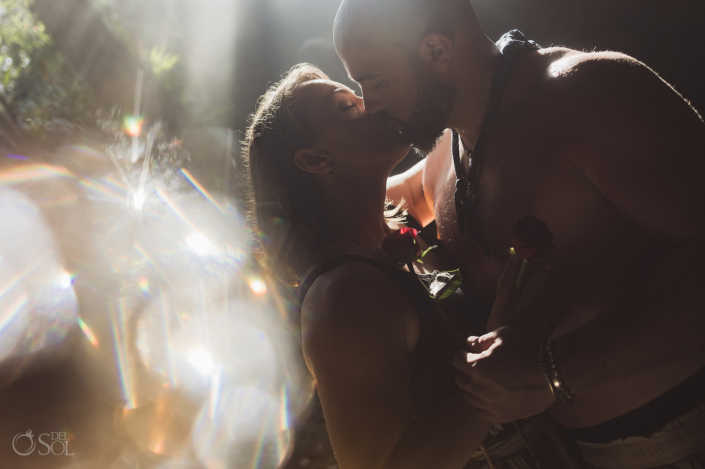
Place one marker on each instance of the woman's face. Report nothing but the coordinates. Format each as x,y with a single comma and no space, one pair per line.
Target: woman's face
355,140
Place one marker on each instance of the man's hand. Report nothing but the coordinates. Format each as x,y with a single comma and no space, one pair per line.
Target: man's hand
500,371
501,375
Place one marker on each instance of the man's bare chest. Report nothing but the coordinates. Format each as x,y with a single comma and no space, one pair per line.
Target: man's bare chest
520,176
513,180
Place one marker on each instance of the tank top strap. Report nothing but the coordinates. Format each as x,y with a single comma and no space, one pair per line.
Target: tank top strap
396,276
512,46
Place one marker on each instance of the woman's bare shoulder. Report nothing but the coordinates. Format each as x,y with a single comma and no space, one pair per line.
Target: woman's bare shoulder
348,301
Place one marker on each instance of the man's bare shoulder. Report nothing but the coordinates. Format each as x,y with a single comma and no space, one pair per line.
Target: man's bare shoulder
596,79
591,90
570,62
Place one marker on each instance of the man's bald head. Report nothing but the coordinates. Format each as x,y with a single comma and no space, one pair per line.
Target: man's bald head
400,24
408,57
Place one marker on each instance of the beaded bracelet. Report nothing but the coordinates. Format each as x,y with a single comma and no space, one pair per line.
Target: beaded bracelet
544,369
548,365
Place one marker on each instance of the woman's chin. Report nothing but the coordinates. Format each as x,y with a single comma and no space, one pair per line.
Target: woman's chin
400,152
398,140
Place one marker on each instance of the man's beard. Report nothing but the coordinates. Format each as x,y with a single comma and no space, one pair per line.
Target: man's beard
430,115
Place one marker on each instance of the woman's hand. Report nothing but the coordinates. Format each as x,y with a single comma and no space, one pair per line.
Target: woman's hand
530,307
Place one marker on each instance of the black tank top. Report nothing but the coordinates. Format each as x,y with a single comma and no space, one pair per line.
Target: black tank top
432,371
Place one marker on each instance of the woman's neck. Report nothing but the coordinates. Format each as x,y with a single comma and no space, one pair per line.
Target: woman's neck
355,214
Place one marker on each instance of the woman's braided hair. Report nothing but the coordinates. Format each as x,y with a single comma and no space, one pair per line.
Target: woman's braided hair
284,202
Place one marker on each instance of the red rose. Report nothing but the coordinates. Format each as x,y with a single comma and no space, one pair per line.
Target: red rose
531,237
402,246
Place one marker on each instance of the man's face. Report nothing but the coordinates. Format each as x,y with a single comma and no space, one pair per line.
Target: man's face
395,87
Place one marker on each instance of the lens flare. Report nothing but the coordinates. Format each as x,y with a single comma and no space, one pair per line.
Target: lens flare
99,190
119,313
246,432
89,333
66,280
133,126
14,309
258,286
175,208
138,200
196,185
23,174
37,302
237,360
202,361
199,244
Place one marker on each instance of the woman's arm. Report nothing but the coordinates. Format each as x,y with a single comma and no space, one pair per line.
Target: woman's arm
408,187
355,327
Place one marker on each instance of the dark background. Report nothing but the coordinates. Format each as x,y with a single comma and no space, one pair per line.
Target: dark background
664,34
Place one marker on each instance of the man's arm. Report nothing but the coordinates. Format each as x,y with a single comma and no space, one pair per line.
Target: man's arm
642,146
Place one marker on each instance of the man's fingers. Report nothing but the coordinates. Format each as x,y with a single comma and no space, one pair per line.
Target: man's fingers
479,352
480,344
470,362
462,361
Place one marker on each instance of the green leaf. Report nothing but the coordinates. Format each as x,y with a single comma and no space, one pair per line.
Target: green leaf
444,284
423,254
161,61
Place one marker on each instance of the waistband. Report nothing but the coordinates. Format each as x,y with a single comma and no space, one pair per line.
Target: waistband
677,440
650,417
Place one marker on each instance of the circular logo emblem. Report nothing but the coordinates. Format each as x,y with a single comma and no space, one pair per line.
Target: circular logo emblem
32,443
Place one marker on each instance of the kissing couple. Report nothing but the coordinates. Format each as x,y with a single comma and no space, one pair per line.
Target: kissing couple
553,317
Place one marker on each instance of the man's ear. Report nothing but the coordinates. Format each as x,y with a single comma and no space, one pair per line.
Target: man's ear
436,52
313,162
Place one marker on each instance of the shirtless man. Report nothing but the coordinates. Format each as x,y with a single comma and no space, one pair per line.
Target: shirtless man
611,158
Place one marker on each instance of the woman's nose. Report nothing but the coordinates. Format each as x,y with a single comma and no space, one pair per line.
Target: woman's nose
360,105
